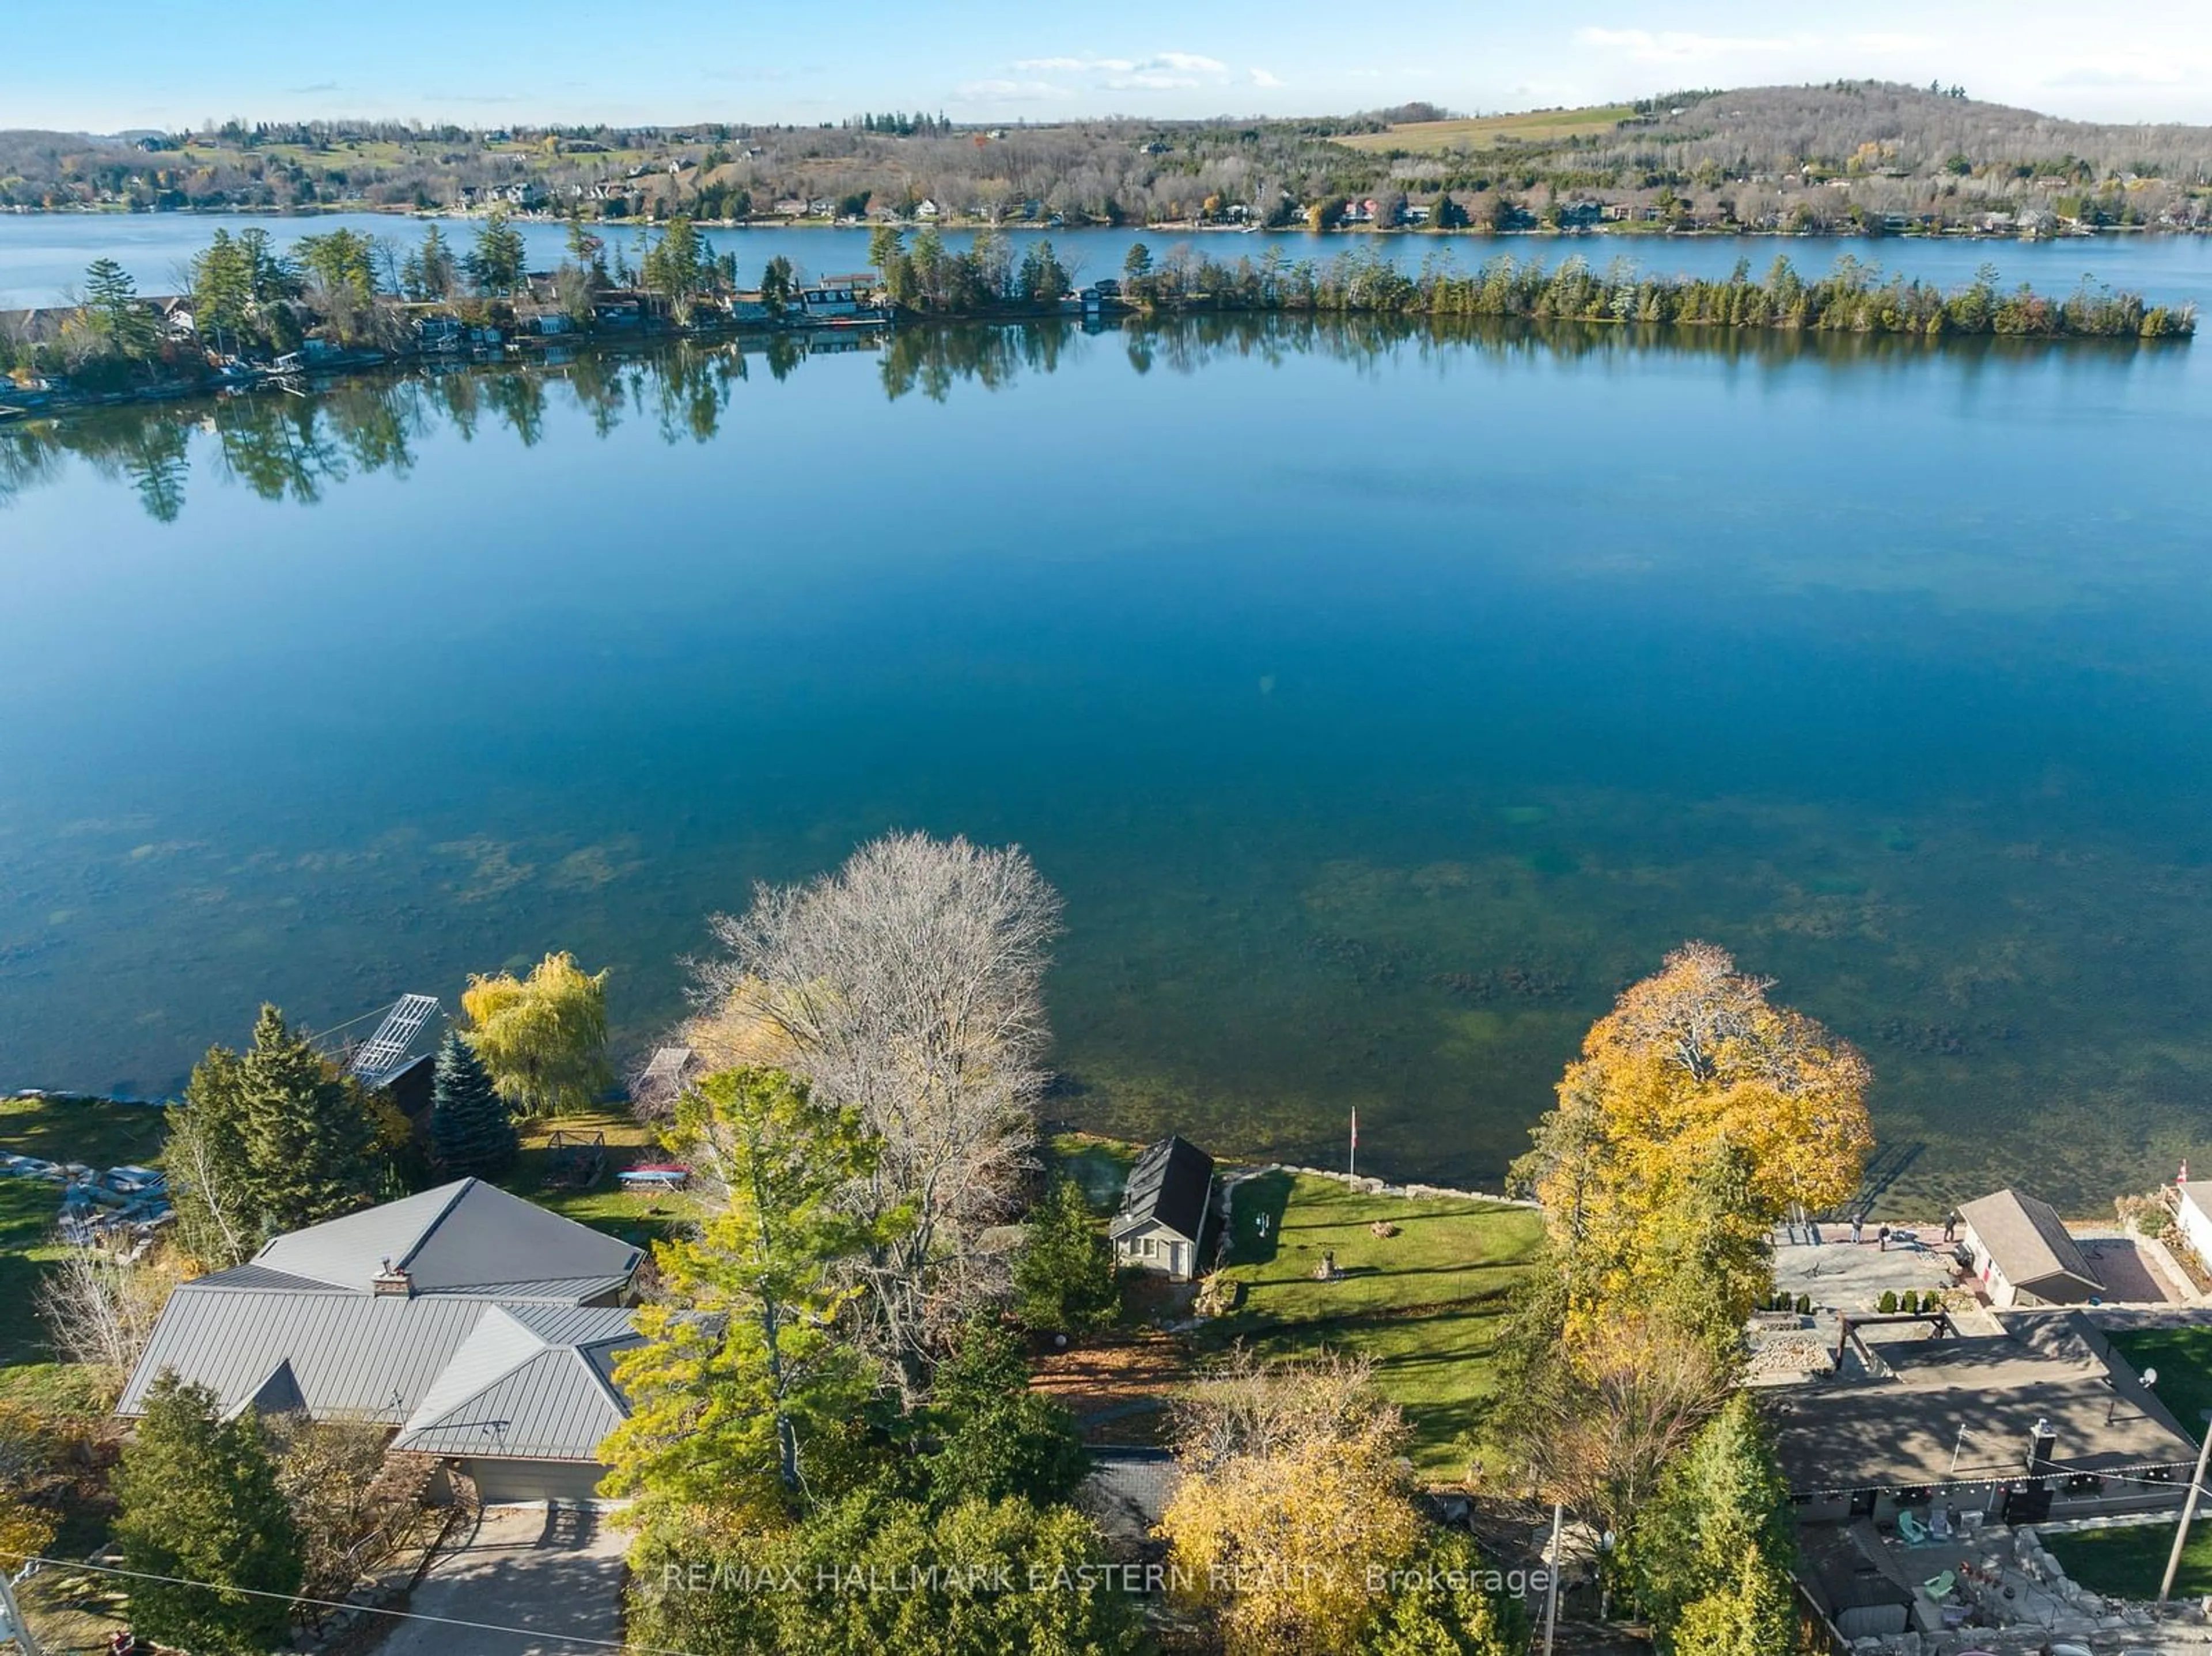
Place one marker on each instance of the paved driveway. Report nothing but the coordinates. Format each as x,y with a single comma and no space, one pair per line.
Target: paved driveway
556,1572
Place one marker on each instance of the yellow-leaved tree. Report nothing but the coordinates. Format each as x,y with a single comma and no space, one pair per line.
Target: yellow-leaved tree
1292,1488
1698,1116
544,1037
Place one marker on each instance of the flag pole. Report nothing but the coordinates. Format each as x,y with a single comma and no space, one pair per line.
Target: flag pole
1351,1161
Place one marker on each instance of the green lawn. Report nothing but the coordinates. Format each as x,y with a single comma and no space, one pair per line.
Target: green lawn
2183,1357
2130,1562
635,1216
1424,1305
90,1130
1100,1166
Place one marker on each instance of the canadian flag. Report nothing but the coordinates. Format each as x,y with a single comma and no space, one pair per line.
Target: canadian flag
1355,1137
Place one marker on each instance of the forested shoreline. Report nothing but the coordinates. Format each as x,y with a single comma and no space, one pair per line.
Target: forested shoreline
344,299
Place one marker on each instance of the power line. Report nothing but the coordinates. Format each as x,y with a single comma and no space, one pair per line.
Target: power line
338,1604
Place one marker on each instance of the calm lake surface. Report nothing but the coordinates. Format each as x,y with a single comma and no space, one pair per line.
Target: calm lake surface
1381,701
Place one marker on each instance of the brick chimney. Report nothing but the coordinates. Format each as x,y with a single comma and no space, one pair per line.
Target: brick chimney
393,1281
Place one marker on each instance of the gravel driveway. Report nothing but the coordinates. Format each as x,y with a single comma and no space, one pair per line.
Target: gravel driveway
556,1571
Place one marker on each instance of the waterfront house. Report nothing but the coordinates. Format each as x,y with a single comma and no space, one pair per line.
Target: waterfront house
2040,1420
473,1325
2192,1215
1164,1208
926,209
2019,1251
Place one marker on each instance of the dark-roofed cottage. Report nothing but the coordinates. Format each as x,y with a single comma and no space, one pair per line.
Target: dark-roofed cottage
478,1325
2022,1254
1163,1210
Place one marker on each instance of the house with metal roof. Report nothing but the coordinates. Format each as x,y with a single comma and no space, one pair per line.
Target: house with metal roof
474,1324
2018,1249
1164,1208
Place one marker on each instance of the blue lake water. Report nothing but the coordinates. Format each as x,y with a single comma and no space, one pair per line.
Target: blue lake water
1381,701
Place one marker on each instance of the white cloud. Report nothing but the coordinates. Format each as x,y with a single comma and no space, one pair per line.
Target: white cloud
1261,77
1161,71
1071,65
1191,63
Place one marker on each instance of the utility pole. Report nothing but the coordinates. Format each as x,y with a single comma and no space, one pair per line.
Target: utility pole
1552,1580
11,1614
2188,1511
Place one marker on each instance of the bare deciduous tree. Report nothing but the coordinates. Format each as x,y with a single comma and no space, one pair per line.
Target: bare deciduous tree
100,1312
909,985
1609,1419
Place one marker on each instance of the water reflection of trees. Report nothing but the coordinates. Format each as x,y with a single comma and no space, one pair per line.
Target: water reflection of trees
293,445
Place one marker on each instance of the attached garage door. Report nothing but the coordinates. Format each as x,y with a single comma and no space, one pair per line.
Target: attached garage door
501,1483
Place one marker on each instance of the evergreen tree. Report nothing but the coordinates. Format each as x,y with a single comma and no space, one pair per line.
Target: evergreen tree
1749,1614
496,265
1000,1438
742,1361
218,1222
113,311
310,1145
1722,1509
222,291
1437,1607
1064,1275
470,1132
198,1501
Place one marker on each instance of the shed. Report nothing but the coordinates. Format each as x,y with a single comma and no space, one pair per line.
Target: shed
2017,1245
1164,1208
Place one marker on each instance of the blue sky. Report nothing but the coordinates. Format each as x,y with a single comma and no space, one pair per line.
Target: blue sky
992,60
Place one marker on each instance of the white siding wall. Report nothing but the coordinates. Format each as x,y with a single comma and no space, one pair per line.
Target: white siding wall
2195,1227
2000,1290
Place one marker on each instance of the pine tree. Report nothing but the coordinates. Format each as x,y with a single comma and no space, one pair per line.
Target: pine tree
111,308
471,1134
198,1502
1722,1509
310,1146
217,1220
1064,1275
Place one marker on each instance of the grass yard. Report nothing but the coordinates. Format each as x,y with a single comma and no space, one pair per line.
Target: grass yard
1424,1305
95,1132
2183,1357
637,1216
1491,131
2129,1562
1100,1166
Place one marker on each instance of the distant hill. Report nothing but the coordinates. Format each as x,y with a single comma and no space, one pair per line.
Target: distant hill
1849,155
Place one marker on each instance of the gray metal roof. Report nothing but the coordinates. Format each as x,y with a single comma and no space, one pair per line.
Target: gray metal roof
354,1357
277,1394
538,1388
458,1238
2027,1239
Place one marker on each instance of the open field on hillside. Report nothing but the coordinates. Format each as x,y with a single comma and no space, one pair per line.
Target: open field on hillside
1491,131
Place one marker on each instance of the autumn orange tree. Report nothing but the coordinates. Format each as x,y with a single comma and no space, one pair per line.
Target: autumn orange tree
1698,1116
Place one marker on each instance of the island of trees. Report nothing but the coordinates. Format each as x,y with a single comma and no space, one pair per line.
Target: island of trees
341,292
